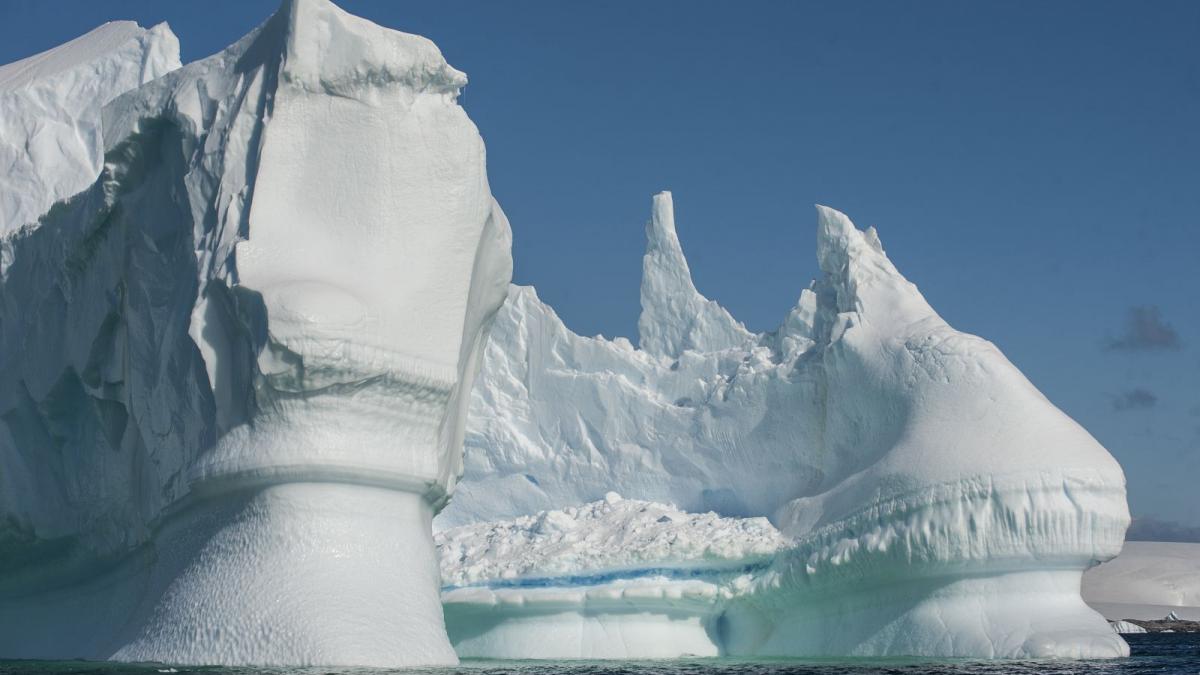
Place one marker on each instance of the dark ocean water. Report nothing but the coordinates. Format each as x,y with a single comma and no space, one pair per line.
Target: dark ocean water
1152,653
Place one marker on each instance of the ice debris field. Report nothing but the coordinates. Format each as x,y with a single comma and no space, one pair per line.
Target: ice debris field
268,397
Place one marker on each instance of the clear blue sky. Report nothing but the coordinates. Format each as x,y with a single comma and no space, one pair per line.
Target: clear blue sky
1033,167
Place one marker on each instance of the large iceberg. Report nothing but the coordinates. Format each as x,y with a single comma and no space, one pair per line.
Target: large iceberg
234,368
936,503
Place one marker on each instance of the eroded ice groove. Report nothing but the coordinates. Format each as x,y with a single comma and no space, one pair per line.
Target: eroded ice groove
929,490
234,370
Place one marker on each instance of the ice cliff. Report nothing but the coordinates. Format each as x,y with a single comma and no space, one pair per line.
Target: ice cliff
235,354
936,502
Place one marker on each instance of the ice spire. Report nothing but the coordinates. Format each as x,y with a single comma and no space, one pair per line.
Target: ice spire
675,316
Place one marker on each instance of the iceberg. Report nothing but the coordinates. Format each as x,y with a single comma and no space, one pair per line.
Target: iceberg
1147,581
1122,627
239,325
934,502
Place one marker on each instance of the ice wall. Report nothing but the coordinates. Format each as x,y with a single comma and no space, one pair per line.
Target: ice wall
234,370
920,475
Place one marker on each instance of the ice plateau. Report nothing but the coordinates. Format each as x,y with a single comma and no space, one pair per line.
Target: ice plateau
236,351
935,503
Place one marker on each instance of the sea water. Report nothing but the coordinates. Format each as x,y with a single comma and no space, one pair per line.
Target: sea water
1150,653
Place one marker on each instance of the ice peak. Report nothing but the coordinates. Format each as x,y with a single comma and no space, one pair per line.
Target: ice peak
662,217
675,316
331,51
836,236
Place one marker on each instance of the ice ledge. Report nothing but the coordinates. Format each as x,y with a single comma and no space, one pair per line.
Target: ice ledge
331,51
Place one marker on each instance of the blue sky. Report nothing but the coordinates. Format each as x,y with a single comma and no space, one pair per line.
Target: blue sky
1033,167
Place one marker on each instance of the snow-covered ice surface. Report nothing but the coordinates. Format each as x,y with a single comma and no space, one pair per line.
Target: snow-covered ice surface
938,503
609,536
234,370
1149,580
50,140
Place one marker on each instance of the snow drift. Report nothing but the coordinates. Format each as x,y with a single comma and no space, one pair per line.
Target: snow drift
234,370
937,502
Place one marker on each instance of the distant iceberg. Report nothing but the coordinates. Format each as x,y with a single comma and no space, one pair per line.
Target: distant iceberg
1126,628
1148,581
934,501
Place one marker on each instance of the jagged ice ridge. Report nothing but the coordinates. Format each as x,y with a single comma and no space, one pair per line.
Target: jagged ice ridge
937,503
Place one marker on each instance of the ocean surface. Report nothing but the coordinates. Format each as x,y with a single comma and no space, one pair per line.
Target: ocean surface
1151,653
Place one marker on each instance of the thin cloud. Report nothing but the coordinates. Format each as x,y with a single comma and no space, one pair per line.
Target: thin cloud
1145,330
1135,399
1148,528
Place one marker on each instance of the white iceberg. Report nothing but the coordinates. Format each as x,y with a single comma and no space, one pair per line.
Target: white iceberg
234,370
1148,581
938,504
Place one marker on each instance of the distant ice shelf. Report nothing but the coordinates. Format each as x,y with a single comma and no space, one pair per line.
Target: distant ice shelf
1148,581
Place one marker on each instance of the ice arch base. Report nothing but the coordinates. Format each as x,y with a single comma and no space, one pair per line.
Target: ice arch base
292,574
